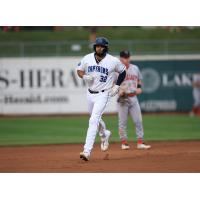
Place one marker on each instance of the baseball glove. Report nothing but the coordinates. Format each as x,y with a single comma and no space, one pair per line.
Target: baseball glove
122,99
123,96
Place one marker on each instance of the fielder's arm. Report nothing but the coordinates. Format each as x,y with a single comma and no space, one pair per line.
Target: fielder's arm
139,88
195,84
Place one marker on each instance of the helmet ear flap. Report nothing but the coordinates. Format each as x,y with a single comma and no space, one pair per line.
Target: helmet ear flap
105,50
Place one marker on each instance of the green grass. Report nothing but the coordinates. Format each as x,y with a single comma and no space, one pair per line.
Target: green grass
114,33
55,130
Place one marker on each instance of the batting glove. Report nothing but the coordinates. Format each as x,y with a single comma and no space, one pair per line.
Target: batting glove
88,78
114,90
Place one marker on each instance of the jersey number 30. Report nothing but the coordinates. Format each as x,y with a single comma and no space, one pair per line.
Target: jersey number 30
103,78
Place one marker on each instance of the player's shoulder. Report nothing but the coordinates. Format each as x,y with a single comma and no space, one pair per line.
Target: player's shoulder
135,67
111,57
88,56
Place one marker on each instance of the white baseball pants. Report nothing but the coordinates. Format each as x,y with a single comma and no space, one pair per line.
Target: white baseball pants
96,106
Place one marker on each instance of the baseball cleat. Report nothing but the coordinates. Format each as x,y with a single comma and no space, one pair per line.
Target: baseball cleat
84,156
143,146
125,146
105,141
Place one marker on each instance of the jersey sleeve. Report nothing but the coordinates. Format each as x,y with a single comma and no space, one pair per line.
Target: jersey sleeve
115,77
81,65
119,67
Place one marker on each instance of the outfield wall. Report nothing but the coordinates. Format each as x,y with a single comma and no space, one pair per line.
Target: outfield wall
167,82
49,85
42,86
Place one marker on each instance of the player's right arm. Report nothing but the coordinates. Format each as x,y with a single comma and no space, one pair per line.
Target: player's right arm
81,68
80,73
87,78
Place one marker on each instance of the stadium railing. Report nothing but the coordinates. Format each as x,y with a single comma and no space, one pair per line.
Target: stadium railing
78,48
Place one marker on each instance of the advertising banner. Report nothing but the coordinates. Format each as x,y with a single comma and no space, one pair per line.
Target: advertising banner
49,85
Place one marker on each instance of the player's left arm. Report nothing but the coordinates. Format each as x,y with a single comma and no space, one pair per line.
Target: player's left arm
139,83
121,77
139,88
121,70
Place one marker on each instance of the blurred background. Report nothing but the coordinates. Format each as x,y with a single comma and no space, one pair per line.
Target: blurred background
73,41
38,78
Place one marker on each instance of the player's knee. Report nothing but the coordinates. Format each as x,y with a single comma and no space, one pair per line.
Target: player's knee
137,119
94,120
138,123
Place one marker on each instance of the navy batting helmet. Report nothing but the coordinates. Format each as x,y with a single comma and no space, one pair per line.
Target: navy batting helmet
102,42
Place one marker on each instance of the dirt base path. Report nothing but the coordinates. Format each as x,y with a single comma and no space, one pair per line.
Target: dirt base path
183,156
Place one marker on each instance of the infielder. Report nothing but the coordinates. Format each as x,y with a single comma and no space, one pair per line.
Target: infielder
98,69
128,103
196,94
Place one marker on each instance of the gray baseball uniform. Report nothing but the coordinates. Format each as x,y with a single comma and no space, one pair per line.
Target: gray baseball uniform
131,104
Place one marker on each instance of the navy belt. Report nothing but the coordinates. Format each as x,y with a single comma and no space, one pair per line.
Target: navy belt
95,92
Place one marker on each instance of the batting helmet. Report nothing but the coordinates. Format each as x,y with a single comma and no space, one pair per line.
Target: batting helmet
102,42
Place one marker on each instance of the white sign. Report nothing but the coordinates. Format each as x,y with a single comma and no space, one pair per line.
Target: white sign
42,86
158,105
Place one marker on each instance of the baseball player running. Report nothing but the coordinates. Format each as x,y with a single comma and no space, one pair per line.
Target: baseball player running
128,103
98,69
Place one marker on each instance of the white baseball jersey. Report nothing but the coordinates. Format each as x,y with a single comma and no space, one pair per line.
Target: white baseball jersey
133,75
103,71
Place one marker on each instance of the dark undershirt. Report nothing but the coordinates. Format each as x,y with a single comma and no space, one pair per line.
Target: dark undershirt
121,78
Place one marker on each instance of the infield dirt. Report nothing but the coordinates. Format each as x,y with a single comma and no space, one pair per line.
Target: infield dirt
175,156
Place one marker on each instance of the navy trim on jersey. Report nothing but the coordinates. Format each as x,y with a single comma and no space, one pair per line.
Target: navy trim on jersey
121,78
97,61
